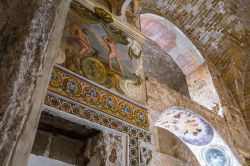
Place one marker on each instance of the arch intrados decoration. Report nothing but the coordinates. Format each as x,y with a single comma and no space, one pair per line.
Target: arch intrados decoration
199,136
189,59
172,40
174,147
186,125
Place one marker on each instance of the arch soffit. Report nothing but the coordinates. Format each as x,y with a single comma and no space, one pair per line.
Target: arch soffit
187,56
211,139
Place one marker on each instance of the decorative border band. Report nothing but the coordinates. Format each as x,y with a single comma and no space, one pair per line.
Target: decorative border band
135,135
86,93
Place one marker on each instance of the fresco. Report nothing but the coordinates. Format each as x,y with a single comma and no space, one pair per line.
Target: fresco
173,41
216,156
94,48
202,90
206,144
186,56
159,33
186,125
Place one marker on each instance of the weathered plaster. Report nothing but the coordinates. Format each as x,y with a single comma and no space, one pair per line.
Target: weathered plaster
26,37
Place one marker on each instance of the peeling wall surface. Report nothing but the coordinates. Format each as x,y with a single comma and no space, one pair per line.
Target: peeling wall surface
27,52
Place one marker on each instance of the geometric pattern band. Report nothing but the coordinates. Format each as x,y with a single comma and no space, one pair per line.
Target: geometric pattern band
134,134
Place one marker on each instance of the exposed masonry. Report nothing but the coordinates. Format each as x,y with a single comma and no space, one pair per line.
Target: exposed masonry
206,22
221,31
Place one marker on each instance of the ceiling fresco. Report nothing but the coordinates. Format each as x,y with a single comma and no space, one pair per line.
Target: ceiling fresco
182,50
94,48
186,125
173,41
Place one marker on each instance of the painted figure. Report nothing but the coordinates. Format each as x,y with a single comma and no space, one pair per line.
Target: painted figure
79,36
112,52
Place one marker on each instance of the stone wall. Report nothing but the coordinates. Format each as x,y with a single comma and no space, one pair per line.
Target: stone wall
172,146
27,55
57,147
100,149
161,159
161,66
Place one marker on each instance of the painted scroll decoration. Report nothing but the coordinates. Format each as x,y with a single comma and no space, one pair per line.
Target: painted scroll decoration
97,50
85,92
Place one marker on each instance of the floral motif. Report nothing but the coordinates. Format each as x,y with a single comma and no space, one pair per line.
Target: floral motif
91,95
84,92
126,111
109,103
141,118
71,87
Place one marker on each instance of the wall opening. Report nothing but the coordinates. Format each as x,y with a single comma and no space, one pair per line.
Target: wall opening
61,141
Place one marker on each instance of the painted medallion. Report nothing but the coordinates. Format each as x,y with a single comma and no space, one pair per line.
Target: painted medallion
216,156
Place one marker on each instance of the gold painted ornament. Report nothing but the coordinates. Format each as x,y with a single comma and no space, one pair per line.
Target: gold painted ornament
82,13
94,69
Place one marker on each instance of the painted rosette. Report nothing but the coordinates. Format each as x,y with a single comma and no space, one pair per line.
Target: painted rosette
126,111
72,87
91,95
109,103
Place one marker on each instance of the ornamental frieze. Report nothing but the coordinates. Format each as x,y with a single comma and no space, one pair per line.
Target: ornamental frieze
83,91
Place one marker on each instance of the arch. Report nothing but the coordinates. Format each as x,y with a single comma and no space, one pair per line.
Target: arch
199,136
160,66
175,43
169,144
